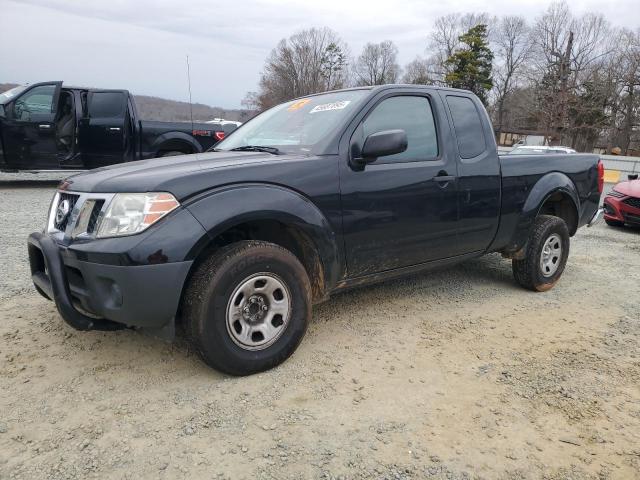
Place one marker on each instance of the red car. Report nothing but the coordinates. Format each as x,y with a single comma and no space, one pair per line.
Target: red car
622,204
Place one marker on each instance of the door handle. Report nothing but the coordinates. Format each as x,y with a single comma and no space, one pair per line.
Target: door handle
444,178
114,129
44,126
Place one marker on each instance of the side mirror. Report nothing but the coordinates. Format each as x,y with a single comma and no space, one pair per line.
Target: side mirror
381,144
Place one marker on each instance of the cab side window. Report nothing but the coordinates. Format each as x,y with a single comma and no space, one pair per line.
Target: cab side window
36,103
413,115
467,125
106,104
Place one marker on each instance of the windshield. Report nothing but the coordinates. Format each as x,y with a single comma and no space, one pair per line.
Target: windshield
9,94
295,126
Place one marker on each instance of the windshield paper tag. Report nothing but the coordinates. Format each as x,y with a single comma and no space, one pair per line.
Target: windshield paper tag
298,105
330,106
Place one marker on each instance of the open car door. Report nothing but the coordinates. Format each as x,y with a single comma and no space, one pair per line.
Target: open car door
105,131
28,128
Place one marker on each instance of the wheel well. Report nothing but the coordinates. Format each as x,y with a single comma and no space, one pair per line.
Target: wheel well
561,205
287,236
175,145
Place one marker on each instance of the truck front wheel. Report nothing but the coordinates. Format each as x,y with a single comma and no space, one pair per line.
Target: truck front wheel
247,307
546,254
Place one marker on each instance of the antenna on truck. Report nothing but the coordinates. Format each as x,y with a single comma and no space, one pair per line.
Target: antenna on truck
189,81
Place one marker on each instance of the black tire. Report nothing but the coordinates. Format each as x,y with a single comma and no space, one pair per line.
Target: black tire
528,271
208,298
614,223
171,153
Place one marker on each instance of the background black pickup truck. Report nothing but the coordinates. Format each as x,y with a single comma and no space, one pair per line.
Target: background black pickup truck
48,126
311,197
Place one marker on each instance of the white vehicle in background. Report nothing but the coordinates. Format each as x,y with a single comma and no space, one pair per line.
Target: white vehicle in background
222,121
539,150
533,140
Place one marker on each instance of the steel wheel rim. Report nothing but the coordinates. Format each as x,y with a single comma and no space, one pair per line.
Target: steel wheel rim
551,255
258,311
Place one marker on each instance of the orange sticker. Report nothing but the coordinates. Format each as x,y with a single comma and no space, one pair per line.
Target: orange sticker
298,105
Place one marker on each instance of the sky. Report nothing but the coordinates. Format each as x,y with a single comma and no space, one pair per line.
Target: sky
141,45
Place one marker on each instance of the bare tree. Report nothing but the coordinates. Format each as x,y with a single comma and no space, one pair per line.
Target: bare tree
250,104
554,43
377,64
513,48
309,61
629,100
417,72
569,52
590,44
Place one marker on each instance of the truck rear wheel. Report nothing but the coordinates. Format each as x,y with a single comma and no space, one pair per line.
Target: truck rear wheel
546,254
247,307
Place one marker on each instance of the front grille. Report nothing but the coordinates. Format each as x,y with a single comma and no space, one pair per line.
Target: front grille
95,214
60,222
84,211
632,202
630,218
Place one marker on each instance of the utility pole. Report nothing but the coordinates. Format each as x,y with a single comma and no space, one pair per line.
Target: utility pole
560,119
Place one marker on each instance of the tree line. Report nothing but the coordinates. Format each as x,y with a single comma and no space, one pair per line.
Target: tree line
574,79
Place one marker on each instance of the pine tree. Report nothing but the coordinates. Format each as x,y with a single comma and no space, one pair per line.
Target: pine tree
471,64
332,65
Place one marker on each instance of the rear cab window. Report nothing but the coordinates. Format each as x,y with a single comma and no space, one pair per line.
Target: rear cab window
467,125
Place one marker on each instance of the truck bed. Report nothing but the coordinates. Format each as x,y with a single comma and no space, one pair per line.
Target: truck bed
521,174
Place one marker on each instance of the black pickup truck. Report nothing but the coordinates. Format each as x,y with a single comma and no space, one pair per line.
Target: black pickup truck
48,126
316,195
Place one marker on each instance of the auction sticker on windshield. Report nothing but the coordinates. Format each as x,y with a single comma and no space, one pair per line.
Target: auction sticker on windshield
298,105
330,106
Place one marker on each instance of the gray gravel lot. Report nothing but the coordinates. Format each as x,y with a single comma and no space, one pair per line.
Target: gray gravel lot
456,374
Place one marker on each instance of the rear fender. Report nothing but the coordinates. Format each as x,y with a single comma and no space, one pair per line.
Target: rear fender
173,141
544,188
226,207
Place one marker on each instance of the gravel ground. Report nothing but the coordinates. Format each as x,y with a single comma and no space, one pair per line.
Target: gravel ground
456,374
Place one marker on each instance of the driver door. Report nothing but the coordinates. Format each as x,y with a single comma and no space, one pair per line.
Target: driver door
28,130
400,210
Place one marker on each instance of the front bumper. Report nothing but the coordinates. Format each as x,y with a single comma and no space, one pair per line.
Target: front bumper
95,296
597,218
617,210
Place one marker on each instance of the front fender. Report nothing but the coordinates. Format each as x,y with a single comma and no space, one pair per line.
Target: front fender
226,207
3,162
544,188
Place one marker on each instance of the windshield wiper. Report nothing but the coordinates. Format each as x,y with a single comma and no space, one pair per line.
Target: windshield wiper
256,148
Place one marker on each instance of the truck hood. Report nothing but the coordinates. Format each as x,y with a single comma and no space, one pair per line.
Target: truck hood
183,175
630,188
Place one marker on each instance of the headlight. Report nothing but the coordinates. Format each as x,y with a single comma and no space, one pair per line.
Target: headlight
131,213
